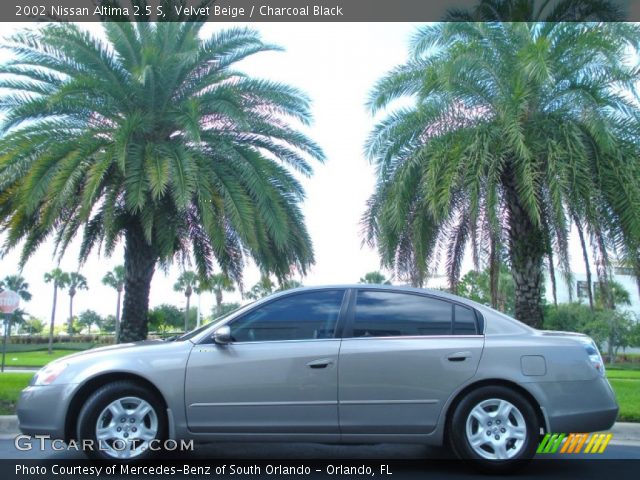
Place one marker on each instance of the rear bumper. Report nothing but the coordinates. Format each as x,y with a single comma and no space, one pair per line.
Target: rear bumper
577,406
42,409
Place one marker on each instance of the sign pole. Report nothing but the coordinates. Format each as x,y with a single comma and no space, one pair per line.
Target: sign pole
7,320
9,302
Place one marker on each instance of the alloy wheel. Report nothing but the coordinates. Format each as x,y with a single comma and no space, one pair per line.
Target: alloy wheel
125,427
496,429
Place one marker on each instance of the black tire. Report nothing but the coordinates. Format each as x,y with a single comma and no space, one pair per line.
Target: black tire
105,396
519,452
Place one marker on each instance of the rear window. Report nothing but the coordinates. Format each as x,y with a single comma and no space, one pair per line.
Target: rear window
464,322
393,314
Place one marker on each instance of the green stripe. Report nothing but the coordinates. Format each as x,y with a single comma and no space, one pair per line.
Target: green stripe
550,443
557,444
543,443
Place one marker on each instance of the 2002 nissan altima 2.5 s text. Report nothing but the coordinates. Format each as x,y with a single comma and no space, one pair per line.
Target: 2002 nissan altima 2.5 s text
349,364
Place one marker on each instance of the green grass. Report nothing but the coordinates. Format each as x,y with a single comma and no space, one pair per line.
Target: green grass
10,386
40,347
34,359
632,374
628,395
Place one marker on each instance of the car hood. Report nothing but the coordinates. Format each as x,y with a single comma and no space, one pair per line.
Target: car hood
121,348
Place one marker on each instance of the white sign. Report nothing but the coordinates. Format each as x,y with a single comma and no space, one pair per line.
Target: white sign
9,301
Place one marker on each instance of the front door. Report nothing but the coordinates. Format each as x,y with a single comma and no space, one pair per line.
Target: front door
279,374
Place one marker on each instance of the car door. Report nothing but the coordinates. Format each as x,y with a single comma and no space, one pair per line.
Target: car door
279,373
402,356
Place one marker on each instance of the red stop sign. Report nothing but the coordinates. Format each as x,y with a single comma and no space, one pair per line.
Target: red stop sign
9,301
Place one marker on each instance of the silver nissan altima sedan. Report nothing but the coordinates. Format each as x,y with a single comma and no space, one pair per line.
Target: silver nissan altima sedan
348,363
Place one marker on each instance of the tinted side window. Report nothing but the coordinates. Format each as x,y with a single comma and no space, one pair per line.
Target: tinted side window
391,314
465,321
303,316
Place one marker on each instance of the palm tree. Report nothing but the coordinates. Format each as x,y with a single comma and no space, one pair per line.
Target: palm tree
149,135
187,282
288,284
264,287
374,277
517,129
115,280
538,11
60,280
218,283
77,281
17,284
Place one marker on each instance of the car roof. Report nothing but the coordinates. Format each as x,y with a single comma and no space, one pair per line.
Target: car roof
377,286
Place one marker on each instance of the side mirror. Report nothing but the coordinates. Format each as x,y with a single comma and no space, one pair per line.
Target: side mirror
222,335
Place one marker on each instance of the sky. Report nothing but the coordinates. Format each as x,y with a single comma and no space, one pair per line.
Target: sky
336,65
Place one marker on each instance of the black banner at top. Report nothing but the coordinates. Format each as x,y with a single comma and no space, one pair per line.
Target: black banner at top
318,10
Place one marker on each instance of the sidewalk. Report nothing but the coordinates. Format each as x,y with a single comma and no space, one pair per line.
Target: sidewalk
622,431
21,369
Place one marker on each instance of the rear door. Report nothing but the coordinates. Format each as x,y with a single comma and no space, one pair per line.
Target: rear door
402,356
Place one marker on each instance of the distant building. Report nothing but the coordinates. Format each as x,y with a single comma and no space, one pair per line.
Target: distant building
579,293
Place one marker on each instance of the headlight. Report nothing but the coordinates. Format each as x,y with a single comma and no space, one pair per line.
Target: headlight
49,373
594,355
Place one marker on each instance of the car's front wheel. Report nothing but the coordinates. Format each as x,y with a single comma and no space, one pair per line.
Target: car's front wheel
496,427
123,421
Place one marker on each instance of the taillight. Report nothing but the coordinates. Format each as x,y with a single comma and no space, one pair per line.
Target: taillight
594,354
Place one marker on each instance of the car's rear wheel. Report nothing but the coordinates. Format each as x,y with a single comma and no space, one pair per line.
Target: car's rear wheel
496,427
124,421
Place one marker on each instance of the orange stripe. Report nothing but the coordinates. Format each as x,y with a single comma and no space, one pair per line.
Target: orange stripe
581,442
569,441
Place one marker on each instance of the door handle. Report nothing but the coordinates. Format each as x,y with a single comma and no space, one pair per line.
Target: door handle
322,363
458,356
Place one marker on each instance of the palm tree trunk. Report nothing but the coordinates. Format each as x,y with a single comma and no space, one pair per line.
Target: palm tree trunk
494,272
585,256
117,326
218,302
186,314
53,317
70,326
527,256
139,263
552,276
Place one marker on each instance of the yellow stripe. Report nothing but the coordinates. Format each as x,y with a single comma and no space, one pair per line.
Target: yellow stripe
599,439
605,443
583,438
593,437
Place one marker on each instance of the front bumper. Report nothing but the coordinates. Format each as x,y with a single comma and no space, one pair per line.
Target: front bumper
577,406
42,409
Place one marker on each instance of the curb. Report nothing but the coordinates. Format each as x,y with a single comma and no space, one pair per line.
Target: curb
626,431
9,424
622,431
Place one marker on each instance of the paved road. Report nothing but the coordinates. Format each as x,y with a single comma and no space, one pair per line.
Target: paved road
420,461
615,450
